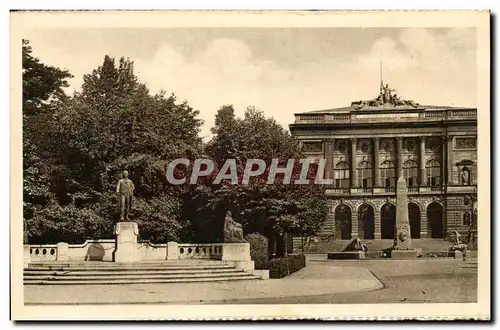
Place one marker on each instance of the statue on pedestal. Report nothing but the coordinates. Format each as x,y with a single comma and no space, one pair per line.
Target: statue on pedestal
458,245
233,231
125,190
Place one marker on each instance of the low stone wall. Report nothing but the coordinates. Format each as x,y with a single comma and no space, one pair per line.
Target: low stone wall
91,250
126,248
102,250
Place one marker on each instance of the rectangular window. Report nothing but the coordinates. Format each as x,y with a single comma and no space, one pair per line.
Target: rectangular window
410,182
387,182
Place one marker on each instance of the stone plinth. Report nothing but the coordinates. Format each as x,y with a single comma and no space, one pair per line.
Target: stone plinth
239,253
262,273
172,251
352,255
126,249
26,255
404,254
62,252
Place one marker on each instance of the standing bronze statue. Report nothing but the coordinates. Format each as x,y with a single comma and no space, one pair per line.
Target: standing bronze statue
125,190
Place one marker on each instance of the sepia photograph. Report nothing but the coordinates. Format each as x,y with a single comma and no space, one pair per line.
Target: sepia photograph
250,165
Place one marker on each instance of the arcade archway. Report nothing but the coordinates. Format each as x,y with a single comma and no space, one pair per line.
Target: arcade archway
414,217
387,221
366,222
343,224
435,220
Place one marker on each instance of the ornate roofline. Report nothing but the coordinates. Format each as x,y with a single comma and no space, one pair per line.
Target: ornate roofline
385,98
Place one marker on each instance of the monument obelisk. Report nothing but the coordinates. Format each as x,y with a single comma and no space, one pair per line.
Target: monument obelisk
402,233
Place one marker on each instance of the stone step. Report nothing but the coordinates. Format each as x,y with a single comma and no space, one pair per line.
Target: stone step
141,281
91,277
163,263
126,267
112,272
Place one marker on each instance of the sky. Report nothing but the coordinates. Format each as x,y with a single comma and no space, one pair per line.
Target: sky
280,71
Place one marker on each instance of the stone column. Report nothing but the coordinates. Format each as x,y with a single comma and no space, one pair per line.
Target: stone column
354,222
377,233
376,162
423,180
329,158
354,173
399,165
423,223
449,160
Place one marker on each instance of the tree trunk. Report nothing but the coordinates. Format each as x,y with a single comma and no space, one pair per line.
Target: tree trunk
271,246
280,246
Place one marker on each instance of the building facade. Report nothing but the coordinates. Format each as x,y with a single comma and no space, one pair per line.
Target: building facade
368,145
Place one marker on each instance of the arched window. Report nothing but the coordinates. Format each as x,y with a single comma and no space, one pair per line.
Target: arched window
387,173
433,170
466,220
410,172
365,175
341,175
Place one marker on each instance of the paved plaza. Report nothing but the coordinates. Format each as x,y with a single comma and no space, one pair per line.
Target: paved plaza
322,281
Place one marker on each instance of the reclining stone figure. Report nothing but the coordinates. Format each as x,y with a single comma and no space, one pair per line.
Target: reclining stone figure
355,246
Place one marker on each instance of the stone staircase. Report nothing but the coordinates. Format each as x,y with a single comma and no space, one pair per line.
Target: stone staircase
175,271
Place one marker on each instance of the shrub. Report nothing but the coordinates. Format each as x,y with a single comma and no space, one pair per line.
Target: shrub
258,250
281,267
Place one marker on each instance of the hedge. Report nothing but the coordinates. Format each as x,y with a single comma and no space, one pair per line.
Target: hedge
281,267
258,250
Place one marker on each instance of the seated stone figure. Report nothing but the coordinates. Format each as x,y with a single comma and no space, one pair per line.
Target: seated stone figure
458,245
233,231
355,246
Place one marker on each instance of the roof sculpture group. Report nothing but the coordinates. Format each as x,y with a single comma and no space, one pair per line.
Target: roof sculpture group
386,96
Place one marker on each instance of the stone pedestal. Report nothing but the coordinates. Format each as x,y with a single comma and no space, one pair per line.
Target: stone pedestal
404,254
26,255
349,255
126,249
62,252
239,254
262,273
172,251
458,254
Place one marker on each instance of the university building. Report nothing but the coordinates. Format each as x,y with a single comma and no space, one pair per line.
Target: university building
369,144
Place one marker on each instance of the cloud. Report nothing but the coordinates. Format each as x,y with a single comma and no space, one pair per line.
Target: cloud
422,65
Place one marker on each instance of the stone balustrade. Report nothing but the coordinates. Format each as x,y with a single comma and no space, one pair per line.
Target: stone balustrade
43,252
429,115
126,248
200,251
102,250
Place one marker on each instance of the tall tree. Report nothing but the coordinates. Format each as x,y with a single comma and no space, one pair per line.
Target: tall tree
114,124
43,92
271,209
